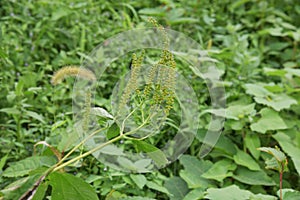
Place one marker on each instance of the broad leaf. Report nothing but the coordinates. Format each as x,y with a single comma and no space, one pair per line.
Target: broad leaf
195,194
220,170
139,179
23,167
101,112
153,152
113,131
252,142
270,120
177,188
193,170
290,148
244,159
247,176
263,96
69,187
232,192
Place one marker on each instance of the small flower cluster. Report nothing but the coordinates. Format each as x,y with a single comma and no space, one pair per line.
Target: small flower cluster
161,78
132,84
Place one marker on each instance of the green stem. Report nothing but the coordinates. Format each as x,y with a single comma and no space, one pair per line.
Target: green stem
81,143
58,167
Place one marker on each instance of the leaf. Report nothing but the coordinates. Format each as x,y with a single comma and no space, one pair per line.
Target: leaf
280,157
252,142
3,161
13,111
265,97
16,189
270,120
113,131
153,152
69,187
195,194
23,167
193,170
35,116
220,170
41,191
290,148
177,188
139,180
101,112
232,192
289,194
249,177
155,186
244,159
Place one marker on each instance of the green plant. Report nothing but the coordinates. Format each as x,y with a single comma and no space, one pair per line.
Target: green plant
278,162
155,99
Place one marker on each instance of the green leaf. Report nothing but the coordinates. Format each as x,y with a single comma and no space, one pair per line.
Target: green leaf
23,167
153,152
35,116
113,131
252,142
13,111
155,186
280,157
232,192
3,161
177,188
69,187
195,194
193,170
270,120
139,180
220,170
244,159
289,194
41,191
249,177
290,148
18,188
265,97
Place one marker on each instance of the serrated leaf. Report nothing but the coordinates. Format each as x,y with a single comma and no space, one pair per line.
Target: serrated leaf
177,188
23,167
68,187
249,177
244,159
220,170
270,120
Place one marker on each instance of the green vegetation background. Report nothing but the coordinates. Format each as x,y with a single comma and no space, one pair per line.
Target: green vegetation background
255,41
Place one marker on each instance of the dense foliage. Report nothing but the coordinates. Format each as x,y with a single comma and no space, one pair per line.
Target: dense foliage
256,44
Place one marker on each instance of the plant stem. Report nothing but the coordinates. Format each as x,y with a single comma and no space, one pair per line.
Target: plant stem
87,153
81,143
